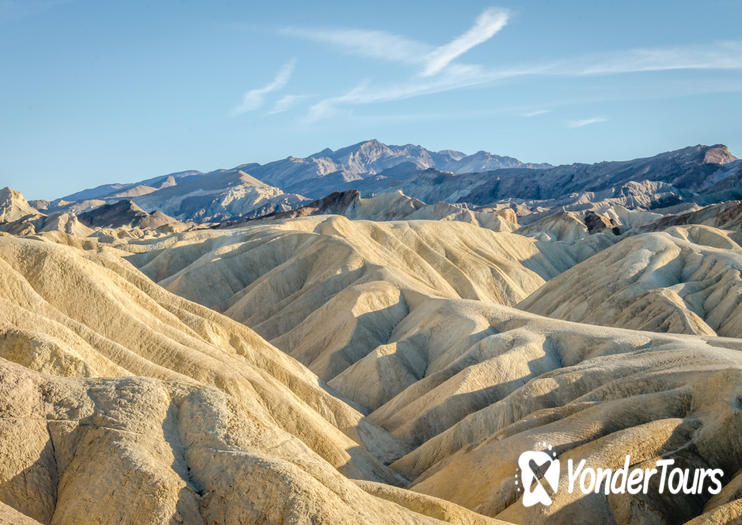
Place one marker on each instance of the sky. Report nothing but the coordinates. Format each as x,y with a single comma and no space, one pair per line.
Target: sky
94,92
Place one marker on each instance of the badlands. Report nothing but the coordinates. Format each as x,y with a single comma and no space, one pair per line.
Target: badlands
364,359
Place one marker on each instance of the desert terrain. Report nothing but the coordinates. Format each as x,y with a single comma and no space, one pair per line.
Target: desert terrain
372,335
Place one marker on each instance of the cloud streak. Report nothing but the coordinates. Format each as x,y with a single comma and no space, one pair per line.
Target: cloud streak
455,77
255,98
436,69
585,122
535,113
720,55
490,22
285,103
395,48
371,44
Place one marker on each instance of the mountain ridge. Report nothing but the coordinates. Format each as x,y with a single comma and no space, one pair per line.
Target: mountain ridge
701,174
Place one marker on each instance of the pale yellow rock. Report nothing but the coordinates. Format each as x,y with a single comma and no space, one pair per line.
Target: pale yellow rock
427,505
662,282
329,290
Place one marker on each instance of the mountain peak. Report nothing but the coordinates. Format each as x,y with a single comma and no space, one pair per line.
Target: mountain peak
14,206
718,154
329,170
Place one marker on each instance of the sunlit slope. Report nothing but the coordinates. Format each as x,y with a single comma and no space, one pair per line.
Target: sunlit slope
124,403
482,383
328,290
685,280
467,385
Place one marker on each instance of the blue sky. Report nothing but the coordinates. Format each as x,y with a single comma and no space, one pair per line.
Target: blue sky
93,92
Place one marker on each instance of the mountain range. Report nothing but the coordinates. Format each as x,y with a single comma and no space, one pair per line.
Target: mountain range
699,174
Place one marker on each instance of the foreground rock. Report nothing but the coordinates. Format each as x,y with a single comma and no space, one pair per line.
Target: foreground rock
122,403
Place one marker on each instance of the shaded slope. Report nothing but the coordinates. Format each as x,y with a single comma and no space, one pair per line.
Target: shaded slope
124,213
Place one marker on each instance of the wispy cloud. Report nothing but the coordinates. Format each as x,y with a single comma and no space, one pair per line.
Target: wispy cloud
455,76
585,122
255,98
725,55
436,73
536,113
372,44
395,48
487,25
364,93
436,69
285,103
720,55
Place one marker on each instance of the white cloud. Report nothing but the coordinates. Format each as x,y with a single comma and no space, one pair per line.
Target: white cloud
438,71
395,48
535,113
487,25
372,44
585,122
724,55
285,103
363,93
255,98
720,55
454,77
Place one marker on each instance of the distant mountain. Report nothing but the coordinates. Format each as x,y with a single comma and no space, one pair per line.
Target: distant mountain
321,173
188,196
119,189
124,214
700,174
700,171
251,190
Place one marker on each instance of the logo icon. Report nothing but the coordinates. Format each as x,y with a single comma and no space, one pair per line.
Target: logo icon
531,463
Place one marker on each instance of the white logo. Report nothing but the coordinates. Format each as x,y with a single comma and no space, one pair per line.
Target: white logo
530,463
540,470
